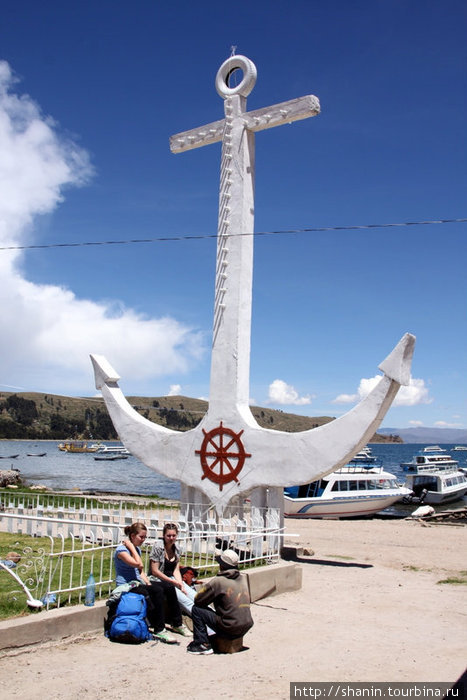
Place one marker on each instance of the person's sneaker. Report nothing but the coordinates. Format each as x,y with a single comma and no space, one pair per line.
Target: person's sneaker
164,636
194,648
183,630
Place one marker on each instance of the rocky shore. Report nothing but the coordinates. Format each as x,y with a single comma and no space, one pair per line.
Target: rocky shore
9,477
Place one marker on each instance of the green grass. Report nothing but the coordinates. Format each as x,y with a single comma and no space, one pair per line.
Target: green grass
42,573
454,580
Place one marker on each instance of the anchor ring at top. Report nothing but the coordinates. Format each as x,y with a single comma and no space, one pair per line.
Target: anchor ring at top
248,81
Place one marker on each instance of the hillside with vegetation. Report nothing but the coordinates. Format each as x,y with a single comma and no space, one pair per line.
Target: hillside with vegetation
36,416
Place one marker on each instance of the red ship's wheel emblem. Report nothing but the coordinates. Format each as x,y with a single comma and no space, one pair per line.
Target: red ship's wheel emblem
222,455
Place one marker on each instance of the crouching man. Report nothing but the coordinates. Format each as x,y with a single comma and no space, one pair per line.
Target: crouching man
228,591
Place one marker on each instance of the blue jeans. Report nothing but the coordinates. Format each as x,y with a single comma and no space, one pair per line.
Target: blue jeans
186,600
204,619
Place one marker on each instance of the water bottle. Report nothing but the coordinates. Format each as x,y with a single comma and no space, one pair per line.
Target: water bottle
90,595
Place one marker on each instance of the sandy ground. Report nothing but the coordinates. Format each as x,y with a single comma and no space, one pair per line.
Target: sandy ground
371,609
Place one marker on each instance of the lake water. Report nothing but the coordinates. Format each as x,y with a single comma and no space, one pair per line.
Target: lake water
63,471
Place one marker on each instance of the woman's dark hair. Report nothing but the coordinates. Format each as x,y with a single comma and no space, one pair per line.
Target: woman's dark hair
170,526
135,529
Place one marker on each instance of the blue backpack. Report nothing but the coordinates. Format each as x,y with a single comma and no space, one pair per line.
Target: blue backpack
129,625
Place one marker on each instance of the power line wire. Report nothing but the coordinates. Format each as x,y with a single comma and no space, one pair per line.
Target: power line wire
165,239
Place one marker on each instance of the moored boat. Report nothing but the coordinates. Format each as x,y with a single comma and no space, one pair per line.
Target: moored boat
434,478
351,491
433,448
112,450
78,446
426,460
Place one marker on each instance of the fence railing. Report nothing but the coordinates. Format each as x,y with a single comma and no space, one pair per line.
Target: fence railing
72,542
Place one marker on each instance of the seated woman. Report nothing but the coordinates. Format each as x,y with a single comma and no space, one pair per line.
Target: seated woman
129,567
165,566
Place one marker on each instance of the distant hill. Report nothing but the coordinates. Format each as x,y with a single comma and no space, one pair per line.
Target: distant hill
37,416
439,436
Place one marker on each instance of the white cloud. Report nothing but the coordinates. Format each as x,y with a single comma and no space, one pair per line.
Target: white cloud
346,398
47,331
175,390
445,424
416,423
284,394
412,395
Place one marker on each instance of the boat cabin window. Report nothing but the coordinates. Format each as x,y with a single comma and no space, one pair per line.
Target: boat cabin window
425,481
364,484
312,490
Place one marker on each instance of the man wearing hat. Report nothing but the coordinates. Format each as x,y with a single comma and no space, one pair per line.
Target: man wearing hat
228,591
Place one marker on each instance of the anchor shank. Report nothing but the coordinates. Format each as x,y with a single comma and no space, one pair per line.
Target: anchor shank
229,384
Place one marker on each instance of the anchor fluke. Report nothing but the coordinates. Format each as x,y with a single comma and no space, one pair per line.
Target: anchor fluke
397,364
104,373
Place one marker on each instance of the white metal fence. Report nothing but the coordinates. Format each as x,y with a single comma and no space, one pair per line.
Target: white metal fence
78,536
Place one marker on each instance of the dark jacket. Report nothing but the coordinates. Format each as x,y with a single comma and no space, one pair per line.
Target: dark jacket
229,593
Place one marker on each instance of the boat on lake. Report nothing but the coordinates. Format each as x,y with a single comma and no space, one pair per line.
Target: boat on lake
78,446
112,450
433,448
434,478
459,448
365,458
427,460
357,489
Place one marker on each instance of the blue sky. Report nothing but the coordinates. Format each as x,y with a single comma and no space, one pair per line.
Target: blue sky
91,93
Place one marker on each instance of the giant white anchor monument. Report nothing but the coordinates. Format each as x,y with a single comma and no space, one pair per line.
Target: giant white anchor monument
228,453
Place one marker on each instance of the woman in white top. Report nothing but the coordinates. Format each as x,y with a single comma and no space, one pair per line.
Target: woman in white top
165,566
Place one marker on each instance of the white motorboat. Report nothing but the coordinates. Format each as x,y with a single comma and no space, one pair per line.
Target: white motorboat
459,448
112,450
351,491
439,459
434,478
433,448
365,458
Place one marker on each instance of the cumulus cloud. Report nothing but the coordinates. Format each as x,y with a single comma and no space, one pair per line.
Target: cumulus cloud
346,398
47,331
412,395
285,394
416,423
445,424
175,390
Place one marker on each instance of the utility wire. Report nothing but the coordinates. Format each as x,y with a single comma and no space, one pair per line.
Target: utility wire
164,239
